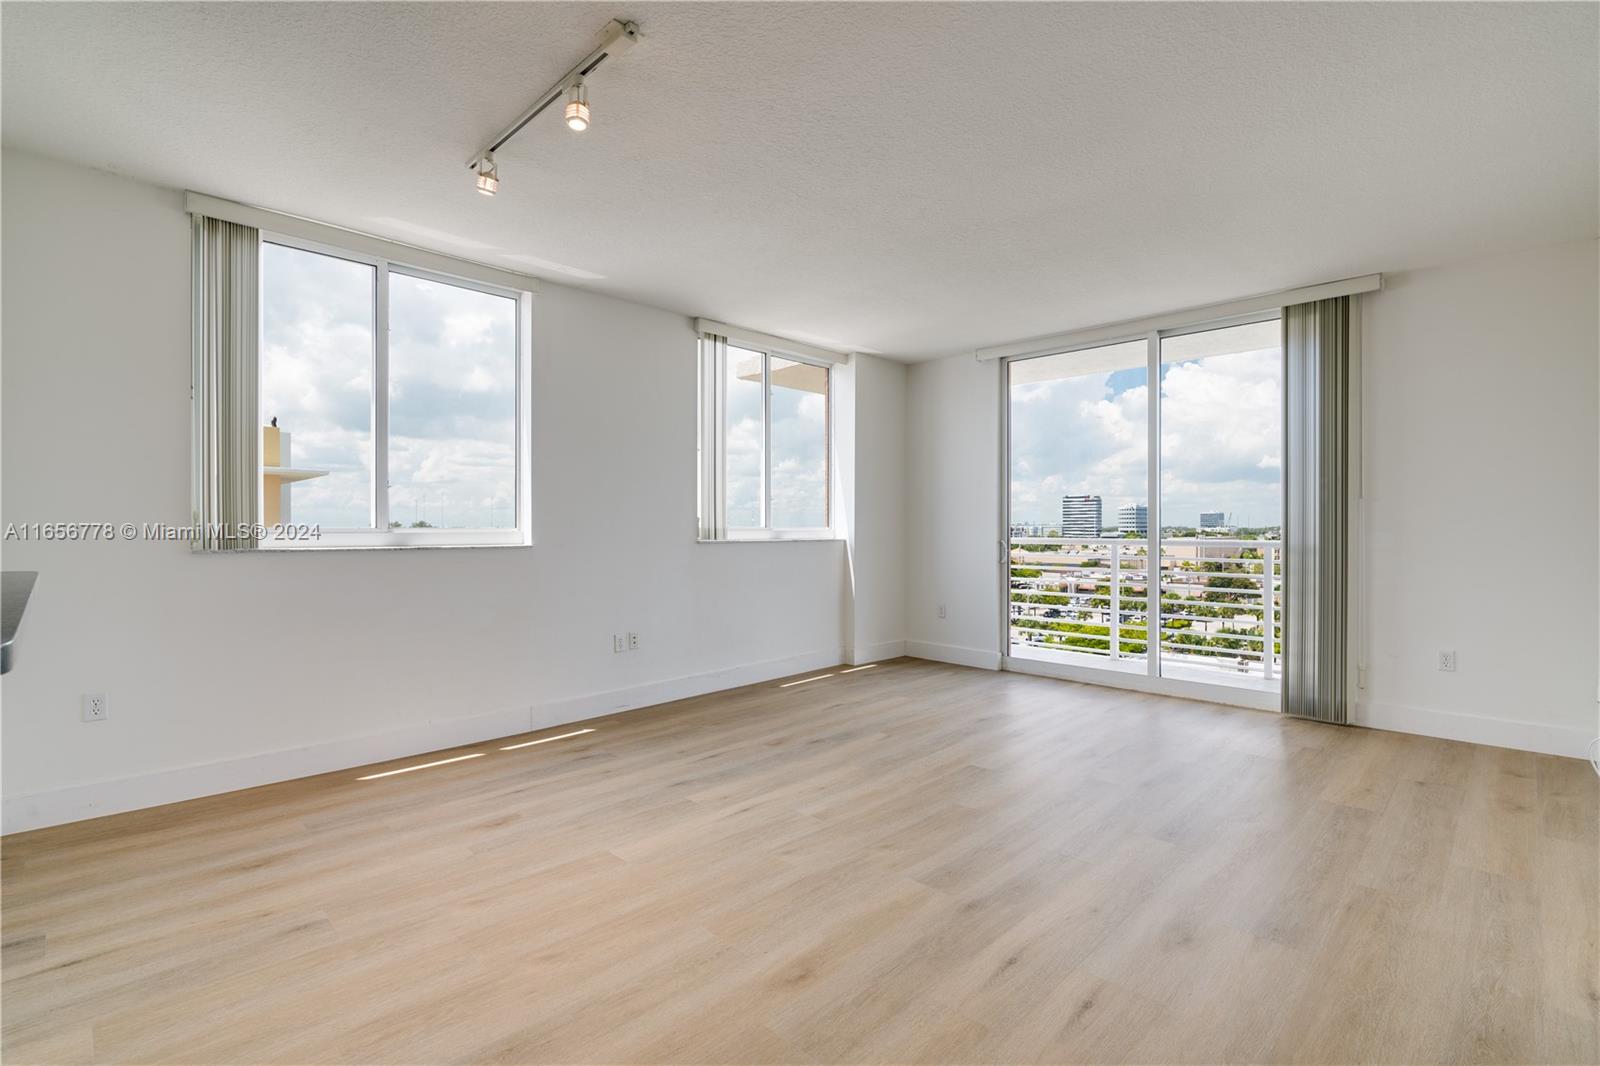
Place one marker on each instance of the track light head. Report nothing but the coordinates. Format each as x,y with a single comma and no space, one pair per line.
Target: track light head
488,175
578,106
617,38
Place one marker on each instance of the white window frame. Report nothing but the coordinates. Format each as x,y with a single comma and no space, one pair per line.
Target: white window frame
380,536
712,519
1152,677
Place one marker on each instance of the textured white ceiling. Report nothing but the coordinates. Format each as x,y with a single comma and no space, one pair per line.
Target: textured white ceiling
909,179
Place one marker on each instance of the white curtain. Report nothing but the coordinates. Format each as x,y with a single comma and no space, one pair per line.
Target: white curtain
227,439
1316,347
713,473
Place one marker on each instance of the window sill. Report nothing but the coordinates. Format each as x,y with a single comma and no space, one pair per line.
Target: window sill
769,538
304,546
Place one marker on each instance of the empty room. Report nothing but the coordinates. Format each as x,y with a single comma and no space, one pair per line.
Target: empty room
800,533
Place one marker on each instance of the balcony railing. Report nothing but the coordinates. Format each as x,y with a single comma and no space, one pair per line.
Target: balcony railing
1220,604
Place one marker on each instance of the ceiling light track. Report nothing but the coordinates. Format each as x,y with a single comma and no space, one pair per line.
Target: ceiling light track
615,39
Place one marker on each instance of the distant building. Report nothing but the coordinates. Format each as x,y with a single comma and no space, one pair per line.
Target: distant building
1133,518
277,475
1213,520
1080,516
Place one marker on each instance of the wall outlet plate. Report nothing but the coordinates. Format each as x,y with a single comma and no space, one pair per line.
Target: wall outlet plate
633,642
941,610
618,643
94,708
1447,661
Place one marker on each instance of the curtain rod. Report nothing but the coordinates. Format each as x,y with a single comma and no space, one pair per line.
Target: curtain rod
1135,327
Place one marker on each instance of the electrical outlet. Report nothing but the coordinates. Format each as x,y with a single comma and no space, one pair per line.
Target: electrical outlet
941,610
1447,661
633,642
94,708
619,643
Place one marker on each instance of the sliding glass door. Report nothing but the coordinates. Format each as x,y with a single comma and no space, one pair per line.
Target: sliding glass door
1079,456
1221,418
1108,475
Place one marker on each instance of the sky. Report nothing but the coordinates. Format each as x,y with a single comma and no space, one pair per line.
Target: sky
799,449
452,407
1221,419
452,393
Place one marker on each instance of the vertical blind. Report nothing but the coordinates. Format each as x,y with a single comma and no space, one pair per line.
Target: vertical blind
224,385
713,473
1316,348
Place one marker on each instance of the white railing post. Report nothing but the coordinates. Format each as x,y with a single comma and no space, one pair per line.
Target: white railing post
1116,600
1267,635
1188,585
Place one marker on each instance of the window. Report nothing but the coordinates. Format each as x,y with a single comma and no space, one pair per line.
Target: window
452,406
1145,483
392,403
318,343
765,460
1079,461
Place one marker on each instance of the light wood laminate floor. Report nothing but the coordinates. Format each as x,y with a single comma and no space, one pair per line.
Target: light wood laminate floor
910,863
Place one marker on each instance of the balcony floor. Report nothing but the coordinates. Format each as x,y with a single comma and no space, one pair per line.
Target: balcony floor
1186,674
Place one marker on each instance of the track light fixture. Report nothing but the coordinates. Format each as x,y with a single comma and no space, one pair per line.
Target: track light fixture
616,38
578,107
488,175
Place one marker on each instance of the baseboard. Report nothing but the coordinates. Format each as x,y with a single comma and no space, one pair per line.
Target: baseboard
1477,729
596,704
100,798
97,799
874,653
954,653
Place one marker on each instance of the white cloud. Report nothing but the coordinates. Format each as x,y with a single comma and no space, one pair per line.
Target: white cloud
452,407
1221,447
799,491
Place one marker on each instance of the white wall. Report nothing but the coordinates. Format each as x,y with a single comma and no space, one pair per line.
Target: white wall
953,488
870,427
1480,430
245,668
